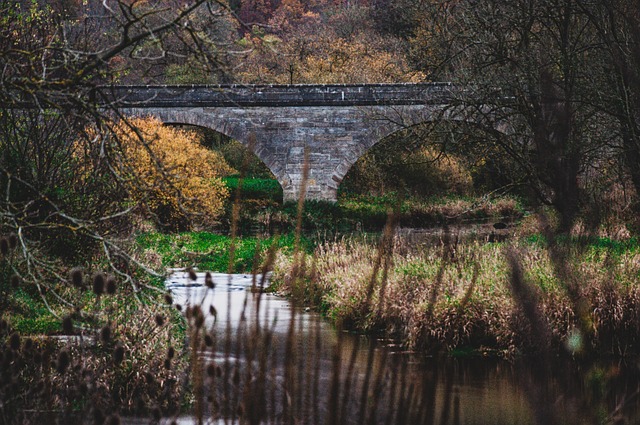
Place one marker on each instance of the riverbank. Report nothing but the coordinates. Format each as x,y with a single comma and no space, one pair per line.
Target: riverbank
578,296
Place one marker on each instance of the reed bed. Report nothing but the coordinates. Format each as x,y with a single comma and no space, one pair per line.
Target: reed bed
460,295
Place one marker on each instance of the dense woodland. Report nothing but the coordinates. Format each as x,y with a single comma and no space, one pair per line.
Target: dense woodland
546,116
562,75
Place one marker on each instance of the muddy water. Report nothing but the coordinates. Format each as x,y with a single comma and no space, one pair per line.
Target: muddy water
377,382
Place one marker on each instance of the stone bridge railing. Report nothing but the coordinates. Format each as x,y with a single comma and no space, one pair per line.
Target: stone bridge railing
276,95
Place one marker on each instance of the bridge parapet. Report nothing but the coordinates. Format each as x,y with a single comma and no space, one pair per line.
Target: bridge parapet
277,95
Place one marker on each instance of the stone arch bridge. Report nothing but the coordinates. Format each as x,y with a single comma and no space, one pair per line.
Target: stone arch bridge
331,125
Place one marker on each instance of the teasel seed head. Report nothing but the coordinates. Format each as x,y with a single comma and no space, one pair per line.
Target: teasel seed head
236,376
171,352
208,280
192,274
14,341
208,340
113,420
167,364
159,319
112,285
198,317
76,277
4,246
156,414
67,325
98,284
64,358
105,334
118,354
98,416
13,241
168,299
211,370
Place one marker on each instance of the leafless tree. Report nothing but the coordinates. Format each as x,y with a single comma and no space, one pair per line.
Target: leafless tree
61,198
530,66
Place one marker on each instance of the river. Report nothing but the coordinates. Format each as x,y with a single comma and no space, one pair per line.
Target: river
270,362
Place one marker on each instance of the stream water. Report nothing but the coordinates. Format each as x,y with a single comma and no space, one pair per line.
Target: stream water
316,374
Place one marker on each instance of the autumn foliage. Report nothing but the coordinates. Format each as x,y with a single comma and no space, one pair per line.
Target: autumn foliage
169,175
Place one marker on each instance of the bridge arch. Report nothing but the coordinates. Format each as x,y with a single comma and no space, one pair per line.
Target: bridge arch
328,126
220,125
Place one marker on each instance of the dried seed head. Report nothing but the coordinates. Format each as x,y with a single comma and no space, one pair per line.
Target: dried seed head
14,341
211,369
118,354
113,420
208,340
15,281
105,334
192,274
111,285
67,325
76,277
167,364
198,317
208,280
178,307
98,284
13,241
98,416
213,311
28,344
156,414
4,246
236,376
168,299
171,352
64,358
159,319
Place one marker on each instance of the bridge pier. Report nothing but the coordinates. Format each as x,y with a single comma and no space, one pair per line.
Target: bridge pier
325,128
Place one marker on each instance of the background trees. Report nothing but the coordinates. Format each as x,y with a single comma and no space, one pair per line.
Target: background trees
617,25
532,65
66,199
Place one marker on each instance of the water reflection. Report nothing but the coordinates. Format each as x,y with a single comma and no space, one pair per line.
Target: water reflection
273,363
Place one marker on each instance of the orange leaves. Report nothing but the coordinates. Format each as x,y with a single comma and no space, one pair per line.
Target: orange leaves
168,173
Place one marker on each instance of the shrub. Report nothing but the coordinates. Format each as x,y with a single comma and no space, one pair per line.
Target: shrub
169,174
419,172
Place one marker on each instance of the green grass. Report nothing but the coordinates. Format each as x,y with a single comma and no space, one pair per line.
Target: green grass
210,251
254,188
605,271
371,211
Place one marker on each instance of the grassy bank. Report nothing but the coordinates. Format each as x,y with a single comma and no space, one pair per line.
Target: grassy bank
577,296
211,251
261,210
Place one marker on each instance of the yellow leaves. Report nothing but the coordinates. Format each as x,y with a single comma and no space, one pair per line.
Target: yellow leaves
170,173
322,57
